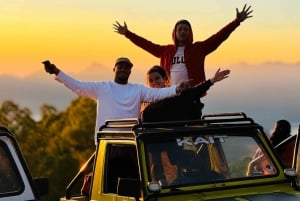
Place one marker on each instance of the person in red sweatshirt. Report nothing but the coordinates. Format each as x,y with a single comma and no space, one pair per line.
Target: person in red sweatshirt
184,60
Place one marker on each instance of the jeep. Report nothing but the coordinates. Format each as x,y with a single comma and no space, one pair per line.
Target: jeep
219,157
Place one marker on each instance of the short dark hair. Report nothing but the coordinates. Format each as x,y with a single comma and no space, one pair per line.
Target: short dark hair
159,70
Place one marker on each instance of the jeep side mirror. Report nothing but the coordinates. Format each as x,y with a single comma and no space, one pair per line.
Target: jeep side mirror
154,186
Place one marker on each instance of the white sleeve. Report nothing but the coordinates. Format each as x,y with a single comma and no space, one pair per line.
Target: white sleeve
155,94
88,89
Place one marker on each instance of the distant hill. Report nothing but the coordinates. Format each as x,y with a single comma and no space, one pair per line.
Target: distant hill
266,92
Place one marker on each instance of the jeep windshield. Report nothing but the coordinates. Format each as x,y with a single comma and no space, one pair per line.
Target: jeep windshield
189,159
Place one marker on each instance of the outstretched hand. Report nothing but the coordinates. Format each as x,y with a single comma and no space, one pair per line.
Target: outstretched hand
119,28
50,68
220,75
244,14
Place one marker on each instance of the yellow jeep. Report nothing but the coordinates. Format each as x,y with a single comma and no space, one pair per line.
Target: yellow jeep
220,157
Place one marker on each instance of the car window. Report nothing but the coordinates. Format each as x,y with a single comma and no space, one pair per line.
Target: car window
10,181
209,158
121,163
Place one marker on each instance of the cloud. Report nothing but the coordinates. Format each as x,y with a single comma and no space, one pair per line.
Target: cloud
266,92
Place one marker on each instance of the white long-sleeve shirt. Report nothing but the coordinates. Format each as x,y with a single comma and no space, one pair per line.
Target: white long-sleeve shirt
115,100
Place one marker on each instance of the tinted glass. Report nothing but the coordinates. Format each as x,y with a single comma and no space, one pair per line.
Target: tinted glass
10,181
205,159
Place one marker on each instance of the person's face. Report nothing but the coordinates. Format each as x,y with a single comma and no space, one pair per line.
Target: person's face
155,80
122,71
182,33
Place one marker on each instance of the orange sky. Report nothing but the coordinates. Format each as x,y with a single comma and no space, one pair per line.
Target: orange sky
75,33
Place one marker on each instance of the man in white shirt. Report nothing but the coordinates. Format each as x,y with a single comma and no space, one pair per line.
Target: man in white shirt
118,98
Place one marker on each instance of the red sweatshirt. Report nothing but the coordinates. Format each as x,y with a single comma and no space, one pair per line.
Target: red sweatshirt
194,53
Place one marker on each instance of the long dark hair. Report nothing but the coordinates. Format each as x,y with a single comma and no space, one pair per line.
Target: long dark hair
281,131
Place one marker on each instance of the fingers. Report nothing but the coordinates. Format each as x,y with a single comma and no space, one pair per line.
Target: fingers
224,73
220,75
121,29
116,26
244,7
217,72
246,11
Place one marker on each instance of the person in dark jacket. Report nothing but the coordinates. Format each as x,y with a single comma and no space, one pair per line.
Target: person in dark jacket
282,131
185,106
184,60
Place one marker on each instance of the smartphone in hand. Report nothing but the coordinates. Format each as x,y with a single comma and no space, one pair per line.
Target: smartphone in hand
46,63
48,67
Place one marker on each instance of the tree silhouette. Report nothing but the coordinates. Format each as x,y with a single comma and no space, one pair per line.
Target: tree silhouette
56,145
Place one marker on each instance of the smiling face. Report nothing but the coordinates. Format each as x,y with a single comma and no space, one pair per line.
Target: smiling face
157,77
155,80
122,72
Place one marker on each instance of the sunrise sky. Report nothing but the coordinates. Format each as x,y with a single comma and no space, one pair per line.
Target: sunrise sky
77,33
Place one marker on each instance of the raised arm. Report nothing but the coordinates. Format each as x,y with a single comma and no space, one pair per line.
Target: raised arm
87,89
147,45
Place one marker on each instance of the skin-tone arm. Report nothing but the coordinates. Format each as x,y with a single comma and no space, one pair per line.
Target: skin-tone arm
220,75
119,28
244,14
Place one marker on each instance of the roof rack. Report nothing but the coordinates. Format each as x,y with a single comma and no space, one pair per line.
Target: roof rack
116,124
237,117
129,124
228,114
118,128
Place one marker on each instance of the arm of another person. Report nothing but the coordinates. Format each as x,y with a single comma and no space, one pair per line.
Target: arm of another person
154,49
201,88
214,41
151,95
87,89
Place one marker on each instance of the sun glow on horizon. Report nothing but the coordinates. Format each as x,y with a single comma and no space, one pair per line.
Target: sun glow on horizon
78,33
